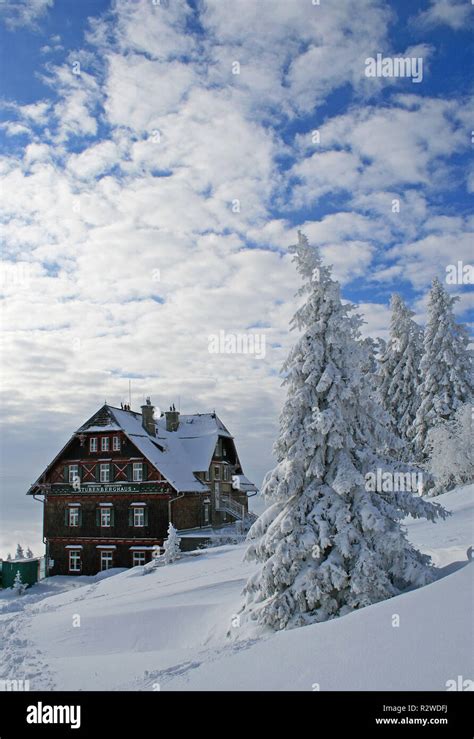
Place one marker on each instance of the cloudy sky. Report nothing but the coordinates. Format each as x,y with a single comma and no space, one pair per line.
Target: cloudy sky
157,159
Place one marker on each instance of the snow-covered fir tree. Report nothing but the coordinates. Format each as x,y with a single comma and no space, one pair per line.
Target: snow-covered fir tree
18,586
19,552
9,557
451,451
328,545
399,377
446,367
369,365
171,546
29,554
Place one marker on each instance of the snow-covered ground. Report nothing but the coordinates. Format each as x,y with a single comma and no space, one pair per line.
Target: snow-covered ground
168,629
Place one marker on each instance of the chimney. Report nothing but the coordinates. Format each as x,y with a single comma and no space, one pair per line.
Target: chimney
172,419
148,421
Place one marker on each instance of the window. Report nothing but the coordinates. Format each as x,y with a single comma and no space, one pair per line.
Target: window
138,558
116,443
137,472
74,560
105,473
226,473
105,517
93,444
217,472
138,516
106,560
73,472
206,513
73,516
104,444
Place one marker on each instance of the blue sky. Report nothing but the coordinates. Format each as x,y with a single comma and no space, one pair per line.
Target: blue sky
149,194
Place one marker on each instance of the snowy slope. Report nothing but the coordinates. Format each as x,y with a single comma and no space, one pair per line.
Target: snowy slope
448,542
168,628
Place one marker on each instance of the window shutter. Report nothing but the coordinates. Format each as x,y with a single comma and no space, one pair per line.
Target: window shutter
80,472
66,516
130,516
145,516
97,516
129,472
145,471
97,473
111,472
112,517
66,473
80,518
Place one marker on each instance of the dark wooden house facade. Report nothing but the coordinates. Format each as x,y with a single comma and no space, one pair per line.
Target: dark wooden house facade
111,492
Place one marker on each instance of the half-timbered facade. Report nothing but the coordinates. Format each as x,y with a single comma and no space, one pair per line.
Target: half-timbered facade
111,492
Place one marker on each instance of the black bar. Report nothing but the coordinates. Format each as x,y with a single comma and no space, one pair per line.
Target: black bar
136,714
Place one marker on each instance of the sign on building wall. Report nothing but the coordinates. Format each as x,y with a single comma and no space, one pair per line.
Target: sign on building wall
99,489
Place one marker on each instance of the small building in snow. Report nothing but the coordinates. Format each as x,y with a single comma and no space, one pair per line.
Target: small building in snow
111,492
29,569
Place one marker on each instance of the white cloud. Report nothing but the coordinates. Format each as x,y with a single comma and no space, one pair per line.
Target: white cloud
139,91
426,257
303,53
15,129
94,160
371,148
24,12
137,246
377,319
452,13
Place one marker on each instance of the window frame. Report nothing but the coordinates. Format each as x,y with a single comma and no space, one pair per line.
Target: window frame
104,444
73,476
74,554
137,467
217,470
104,467
109,558
142,556
206,514
141,511
93,446
75,510
105,510
116,443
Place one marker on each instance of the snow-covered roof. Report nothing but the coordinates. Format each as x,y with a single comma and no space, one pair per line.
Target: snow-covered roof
242,483
21,560
178,455
198,435
101,429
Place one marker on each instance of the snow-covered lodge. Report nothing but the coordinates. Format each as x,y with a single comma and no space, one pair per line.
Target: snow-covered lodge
111,492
